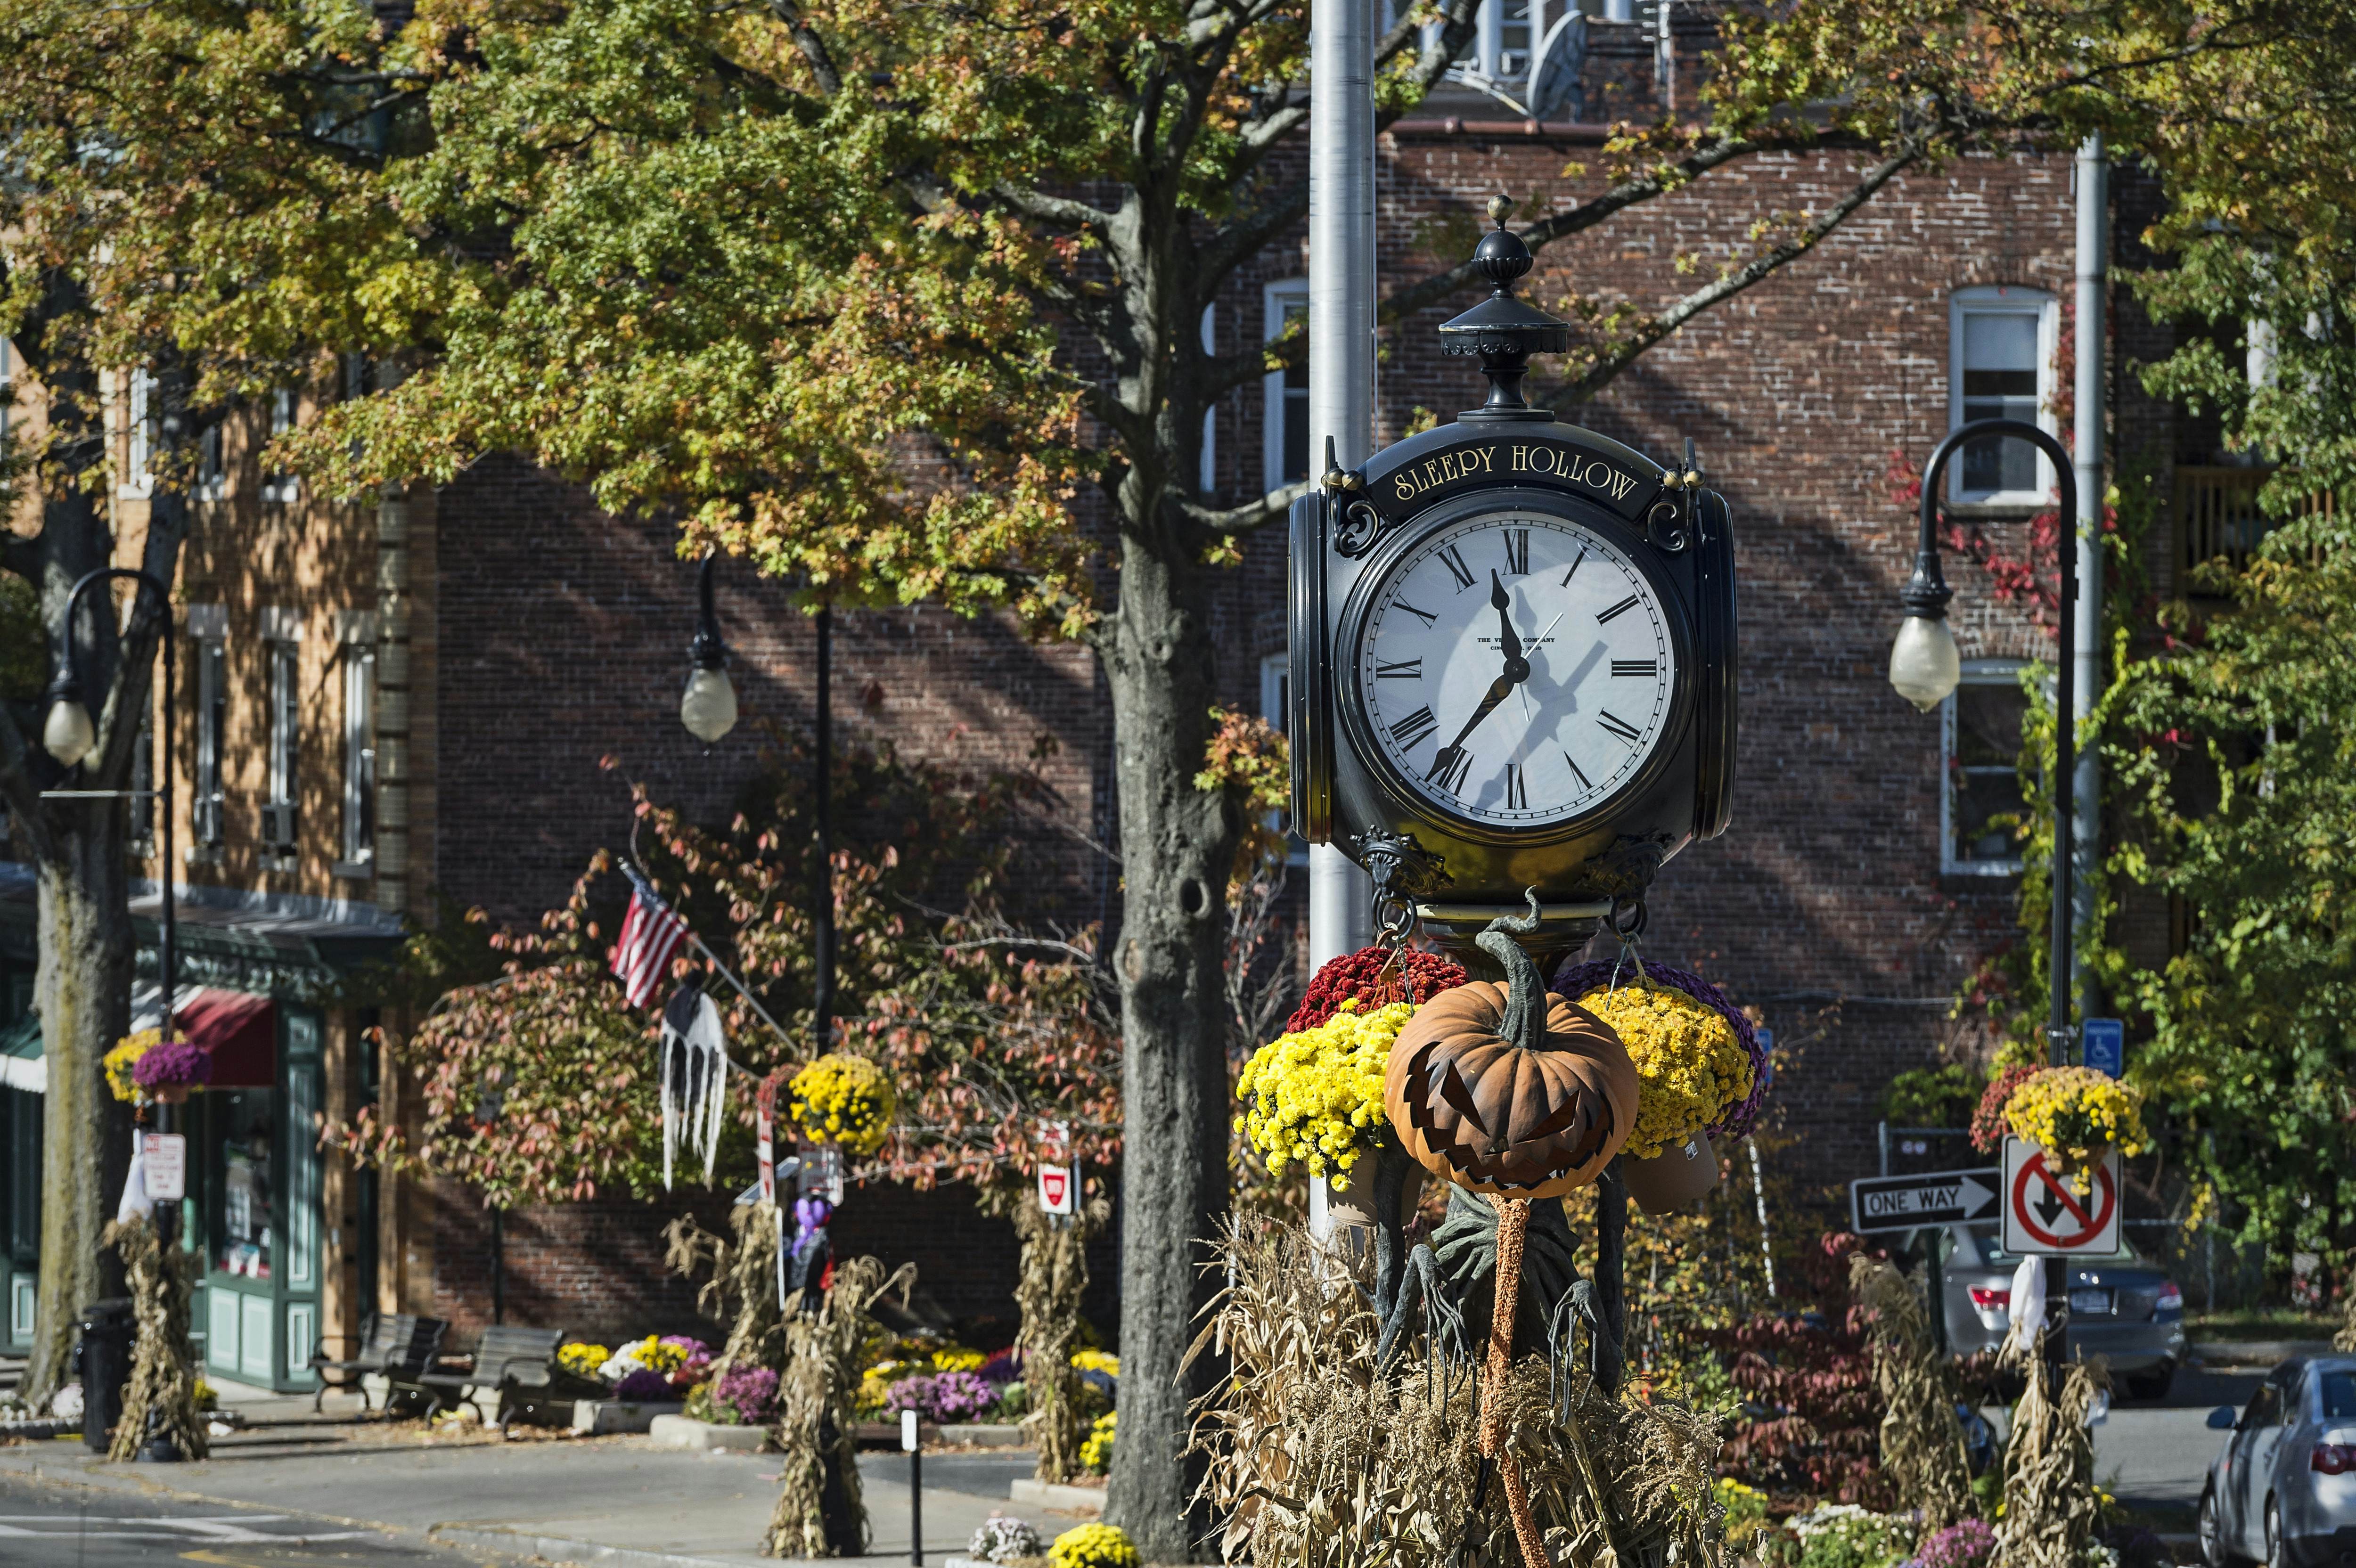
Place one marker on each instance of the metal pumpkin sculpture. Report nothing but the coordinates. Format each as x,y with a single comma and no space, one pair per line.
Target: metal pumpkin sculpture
1510,1089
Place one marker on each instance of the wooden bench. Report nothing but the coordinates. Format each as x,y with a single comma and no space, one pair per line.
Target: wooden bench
506,1360
395,1349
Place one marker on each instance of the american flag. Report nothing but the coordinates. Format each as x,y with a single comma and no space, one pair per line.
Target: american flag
651,935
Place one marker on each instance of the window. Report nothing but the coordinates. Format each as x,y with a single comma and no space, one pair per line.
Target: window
139,427
207,623
359,757
2000,366
281,486
1980,762
7,387
143,791
1286,437
1276,707
283,651
212,476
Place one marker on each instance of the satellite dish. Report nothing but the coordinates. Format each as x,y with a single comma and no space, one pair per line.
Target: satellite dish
1561,61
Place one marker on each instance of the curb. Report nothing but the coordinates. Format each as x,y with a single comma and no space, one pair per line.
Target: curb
2254,1352
1047,1495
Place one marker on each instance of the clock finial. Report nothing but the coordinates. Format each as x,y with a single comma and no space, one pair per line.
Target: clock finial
1502,332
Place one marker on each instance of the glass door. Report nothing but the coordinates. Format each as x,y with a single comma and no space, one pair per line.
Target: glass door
262,1300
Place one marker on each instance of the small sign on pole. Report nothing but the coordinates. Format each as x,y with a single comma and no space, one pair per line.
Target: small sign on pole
821,1172
2106,1044
164,1160
1059,1183
2044,1212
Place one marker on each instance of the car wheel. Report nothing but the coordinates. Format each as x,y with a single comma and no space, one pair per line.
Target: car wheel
2212,1534
2276,1557
2153,1384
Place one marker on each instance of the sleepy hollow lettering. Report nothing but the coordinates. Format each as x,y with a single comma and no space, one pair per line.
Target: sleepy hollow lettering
1498,461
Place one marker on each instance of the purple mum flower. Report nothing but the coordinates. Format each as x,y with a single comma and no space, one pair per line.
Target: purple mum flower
174,1061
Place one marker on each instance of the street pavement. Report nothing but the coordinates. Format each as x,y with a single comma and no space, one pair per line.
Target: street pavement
615,1500
44,1525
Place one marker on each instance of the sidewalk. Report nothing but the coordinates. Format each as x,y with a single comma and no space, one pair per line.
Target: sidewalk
616,1501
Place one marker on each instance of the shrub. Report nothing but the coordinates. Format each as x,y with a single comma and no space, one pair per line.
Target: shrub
1093,1546
750,1392
1002,1539
644,1386
1096,1449
1842,1535
1967,1544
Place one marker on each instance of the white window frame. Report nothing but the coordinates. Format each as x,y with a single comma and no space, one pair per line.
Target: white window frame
213,474
139,435
1277,298
208,793
359,758
282,648
2003,299
1276,707
282,487
7,387
1975,672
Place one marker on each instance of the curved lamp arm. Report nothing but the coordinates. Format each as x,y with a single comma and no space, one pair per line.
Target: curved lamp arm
1925,598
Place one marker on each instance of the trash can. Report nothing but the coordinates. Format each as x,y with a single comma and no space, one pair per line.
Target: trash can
109,1330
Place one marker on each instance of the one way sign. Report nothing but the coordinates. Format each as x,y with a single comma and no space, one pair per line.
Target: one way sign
1909,1202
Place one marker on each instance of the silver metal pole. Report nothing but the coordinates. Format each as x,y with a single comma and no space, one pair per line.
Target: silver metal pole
1340,346
2091,405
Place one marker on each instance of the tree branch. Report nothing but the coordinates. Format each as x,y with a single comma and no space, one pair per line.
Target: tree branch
1247,516
813,47
1756,270
1057,209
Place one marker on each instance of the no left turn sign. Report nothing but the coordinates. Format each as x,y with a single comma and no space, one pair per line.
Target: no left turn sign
2044,1214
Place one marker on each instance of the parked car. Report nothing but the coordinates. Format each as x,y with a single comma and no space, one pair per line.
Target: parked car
2121,1306
2283,1489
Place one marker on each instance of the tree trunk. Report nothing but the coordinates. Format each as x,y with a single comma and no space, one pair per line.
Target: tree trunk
1177,848
83,992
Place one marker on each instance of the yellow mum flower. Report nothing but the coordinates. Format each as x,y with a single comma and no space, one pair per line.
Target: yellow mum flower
2077,1114
1689,1066
1315,1097
843,1099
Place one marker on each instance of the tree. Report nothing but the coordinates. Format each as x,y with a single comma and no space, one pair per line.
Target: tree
904,302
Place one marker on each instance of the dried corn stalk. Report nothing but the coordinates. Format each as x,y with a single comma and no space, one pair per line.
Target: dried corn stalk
1923,1447
162,1387
743,1283
2048,1470
1052,1278
2345,1340
819,1510
1317,1461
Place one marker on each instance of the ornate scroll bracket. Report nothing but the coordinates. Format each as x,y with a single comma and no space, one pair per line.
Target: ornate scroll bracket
1400,868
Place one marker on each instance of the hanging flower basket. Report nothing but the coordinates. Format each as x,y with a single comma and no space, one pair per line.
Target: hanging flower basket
120,1061
843,1099
2077,1115
1314,1096
172,1070
1742,1113
1374,977
1672,1179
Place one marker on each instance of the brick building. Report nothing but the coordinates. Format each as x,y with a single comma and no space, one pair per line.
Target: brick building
393,702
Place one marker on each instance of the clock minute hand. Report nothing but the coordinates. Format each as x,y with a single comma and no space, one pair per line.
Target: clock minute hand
1446,759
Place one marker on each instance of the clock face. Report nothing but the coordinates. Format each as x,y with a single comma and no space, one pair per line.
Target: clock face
1516,669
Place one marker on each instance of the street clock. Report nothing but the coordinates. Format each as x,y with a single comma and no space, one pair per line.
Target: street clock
1512,649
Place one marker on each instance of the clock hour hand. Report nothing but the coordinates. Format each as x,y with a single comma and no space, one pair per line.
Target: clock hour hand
1445,762
1507,641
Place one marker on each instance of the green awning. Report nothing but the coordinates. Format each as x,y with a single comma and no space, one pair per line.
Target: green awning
22,1066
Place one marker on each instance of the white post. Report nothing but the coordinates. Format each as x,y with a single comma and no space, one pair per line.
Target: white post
2089,401
1341,352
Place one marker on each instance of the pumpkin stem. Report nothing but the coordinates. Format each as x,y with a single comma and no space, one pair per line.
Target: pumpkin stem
1525,1021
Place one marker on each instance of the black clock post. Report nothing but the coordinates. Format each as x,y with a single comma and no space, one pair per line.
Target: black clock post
1513,662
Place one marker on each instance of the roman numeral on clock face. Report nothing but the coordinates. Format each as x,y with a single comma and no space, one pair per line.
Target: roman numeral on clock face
1517,551
1648,668
1615,725
1518,794
1619,609
1577,772
1426,616
1453,559
1575,565
1450,769
1410,731
1406,670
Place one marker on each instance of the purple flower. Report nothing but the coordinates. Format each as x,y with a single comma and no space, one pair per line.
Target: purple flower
1575,980
643,1386
1970,1544
750,1392
173,1061
944,1396
1003,1367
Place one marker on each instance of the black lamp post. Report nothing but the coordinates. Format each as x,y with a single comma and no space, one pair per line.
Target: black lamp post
708,706
1924,668
68,734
